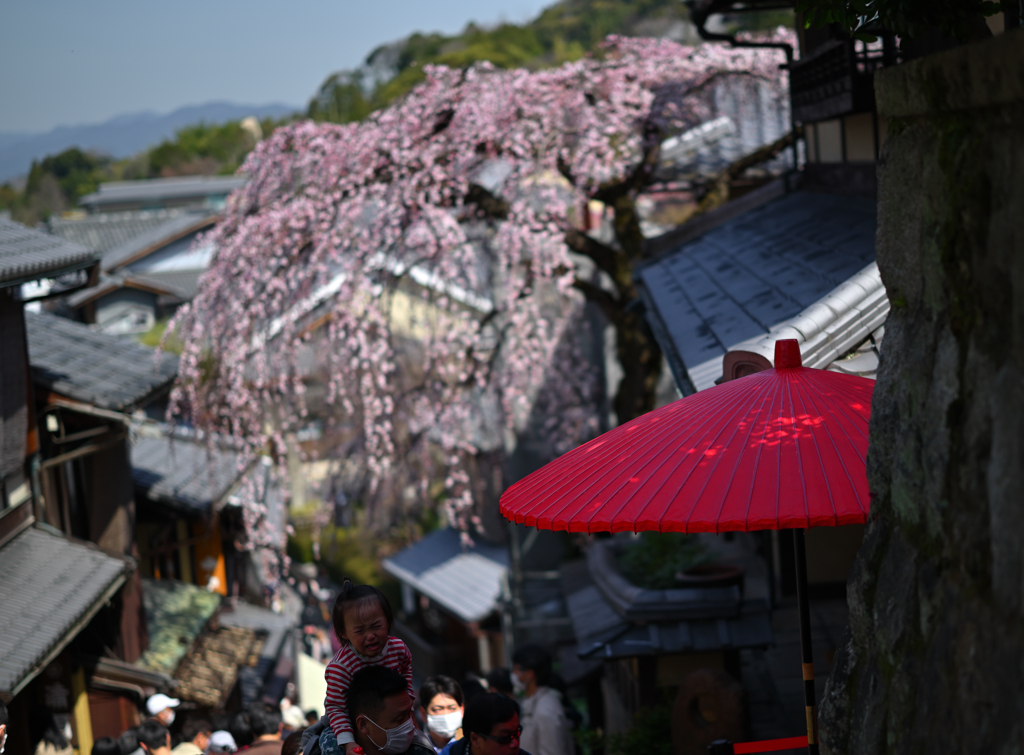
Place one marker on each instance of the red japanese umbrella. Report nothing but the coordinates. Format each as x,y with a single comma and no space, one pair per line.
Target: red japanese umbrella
781,449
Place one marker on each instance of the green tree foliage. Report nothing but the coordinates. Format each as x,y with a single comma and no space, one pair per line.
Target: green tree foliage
906,18
8,196
56,183
656,557
205,149
76,172
563,32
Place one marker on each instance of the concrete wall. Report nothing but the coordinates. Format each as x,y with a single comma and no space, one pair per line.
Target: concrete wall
935,658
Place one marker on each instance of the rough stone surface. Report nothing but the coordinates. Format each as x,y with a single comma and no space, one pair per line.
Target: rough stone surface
934,662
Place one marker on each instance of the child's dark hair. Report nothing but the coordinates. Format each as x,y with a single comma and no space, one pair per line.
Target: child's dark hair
350,595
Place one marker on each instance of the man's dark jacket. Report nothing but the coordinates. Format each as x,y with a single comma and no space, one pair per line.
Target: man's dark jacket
311,741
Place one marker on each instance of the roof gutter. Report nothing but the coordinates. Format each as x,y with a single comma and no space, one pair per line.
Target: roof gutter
90,267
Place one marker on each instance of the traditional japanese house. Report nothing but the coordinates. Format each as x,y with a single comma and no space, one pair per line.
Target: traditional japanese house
70,618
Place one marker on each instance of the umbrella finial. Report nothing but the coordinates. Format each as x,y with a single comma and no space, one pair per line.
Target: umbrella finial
787,353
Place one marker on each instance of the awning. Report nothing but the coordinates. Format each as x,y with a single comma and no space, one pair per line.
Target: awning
50,588
799,266
464,580
183,474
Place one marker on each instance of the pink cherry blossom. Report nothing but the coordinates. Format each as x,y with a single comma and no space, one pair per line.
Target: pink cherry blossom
446,212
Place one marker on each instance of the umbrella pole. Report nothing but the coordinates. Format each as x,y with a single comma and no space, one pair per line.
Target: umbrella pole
805,641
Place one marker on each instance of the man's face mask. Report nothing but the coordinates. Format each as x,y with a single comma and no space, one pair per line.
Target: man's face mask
398,739
445,724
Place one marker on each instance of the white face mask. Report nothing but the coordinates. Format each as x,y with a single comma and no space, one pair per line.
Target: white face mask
167,717
445,724
399,738
67,731
517,684
3,742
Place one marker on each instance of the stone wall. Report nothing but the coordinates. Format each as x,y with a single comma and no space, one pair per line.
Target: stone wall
934,662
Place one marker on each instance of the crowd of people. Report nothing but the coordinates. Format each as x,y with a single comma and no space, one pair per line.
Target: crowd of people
371,707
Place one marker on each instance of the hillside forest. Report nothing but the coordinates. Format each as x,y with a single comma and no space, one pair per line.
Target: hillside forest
563,32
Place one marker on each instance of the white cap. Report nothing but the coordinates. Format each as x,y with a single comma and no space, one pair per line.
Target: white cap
160,702
221,741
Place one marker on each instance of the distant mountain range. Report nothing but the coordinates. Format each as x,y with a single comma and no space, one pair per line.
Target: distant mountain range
121,136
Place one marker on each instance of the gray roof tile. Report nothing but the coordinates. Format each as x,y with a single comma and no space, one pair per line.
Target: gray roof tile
167,231
27,254
107,371
741,279
48,584
465,581
107,230
183,473
601,632
156,189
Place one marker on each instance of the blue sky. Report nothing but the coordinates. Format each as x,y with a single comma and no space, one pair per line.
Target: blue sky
66,62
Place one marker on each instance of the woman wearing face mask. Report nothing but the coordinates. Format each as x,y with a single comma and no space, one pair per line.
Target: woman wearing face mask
441,707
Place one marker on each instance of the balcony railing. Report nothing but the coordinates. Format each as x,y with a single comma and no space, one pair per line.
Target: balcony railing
838,78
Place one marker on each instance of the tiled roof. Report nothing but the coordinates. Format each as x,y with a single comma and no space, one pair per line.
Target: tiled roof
181,472
603,633
182,284
742,279
48,585
105,231
175,615
172,228
27,254
156,189
830,328
466,582
177,284
82,364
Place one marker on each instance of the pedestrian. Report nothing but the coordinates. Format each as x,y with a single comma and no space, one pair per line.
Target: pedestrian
221,743
161,707
266,723
106,746
3,725
490,726
50,737
195,734
441,708
129,742
380,710
154,739
500,680
241,730
362,621
293,743
546,729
